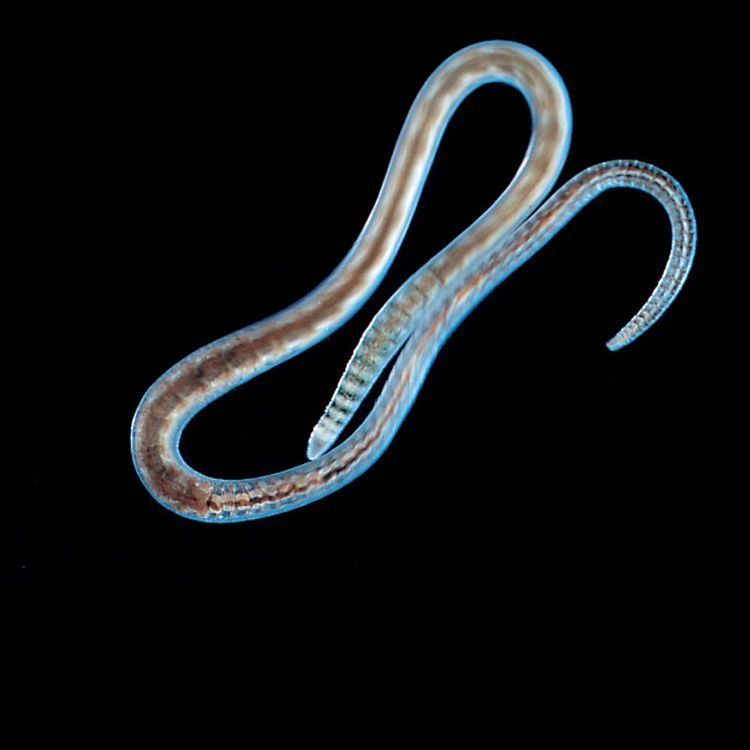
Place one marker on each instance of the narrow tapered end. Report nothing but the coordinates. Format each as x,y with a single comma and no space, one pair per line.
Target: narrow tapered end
622,338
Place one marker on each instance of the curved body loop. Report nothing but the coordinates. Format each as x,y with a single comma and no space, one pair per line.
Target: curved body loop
419,317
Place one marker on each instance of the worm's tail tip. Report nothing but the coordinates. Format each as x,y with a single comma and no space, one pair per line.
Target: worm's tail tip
619,341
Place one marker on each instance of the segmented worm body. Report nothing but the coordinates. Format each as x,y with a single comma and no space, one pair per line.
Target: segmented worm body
417,320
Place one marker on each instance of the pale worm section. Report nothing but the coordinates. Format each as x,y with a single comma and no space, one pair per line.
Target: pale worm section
419,317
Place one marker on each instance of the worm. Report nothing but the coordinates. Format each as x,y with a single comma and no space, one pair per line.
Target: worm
417,320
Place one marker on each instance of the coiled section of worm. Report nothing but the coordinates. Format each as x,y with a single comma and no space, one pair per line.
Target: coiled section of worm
418,319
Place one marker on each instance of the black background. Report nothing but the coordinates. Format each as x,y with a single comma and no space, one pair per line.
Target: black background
190,175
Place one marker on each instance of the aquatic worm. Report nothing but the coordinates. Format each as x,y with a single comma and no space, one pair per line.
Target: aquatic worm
419,317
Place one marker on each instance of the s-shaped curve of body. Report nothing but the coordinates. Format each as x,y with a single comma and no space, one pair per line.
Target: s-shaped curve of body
417,320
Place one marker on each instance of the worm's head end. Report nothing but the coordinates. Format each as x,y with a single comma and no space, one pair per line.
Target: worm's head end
316,446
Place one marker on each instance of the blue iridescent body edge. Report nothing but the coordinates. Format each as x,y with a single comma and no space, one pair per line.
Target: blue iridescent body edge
405,358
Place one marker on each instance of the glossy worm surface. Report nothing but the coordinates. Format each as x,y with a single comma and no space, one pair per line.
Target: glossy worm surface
418,319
